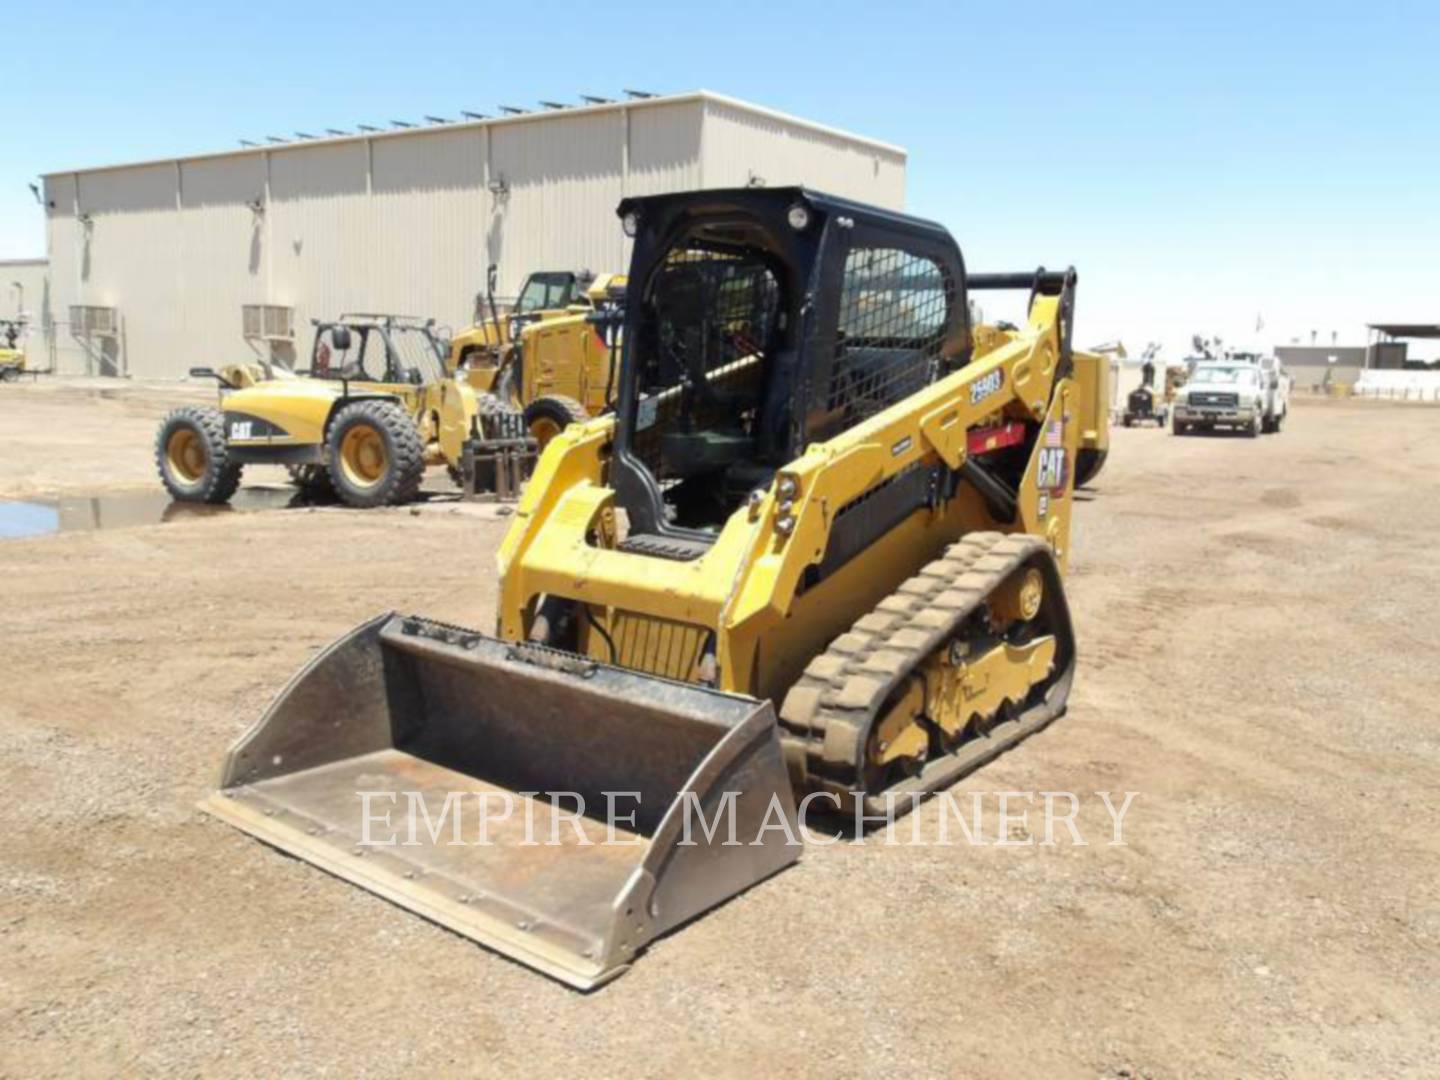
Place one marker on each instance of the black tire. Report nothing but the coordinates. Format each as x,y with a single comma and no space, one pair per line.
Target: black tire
1178,428
394,458
1088,464
546,417
311,479
193,458
1127,420
1253,429
9,374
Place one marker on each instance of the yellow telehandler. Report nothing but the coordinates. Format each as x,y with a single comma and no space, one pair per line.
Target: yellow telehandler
375,408
816,551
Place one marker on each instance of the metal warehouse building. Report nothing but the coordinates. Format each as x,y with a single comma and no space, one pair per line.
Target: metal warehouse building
153,266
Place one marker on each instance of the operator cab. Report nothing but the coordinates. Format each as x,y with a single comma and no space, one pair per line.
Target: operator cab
387,349
548,290
730,368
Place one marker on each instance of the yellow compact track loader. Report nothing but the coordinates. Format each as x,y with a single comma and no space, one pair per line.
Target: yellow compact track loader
816,550
374,410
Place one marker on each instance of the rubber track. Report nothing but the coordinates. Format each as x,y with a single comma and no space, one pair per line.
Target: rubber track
838,698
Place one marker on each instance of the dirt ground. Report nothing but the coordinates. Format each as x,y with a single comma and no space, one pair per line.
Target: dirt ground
1257,625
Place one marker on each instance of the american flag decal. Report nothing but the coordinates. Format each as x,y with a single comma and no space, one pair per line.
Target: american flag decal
1055,433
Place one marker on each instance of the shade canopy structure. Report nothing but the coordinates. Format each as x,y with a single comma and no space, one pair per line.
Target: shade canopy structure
1406,330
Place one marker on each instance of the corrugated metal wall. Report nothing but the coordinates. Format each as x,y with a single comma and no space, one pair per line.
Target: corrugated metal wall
741,142
32,298
404,223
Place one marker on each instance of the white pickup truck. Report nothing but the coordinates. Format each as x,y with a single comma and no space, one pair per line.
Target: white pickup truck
1248,395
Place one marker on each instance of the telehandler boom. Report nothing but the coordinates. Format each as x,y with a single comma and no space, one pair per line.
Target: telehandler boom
815,551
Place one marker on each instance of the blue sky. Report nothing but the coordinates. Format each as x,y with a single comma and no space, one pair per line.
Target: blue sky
1201,166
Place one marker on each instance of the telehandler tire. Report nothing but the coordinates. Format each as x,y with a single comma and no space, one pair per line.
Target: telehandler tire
547,417
193,457
375,455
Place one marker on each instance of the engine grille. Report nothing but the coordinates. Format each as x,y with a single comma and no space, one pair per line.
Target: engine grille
1215,400
645,643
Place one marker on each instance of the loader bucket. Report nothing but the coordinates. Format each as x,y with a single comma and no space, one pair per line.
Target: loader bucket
391,758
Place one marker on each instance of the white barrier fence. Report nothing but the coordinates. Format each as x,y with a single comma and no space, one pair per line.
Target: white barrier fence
1396,385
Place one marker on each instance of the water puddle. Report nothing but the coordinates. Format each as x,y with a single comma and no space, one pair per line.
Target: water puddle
21,518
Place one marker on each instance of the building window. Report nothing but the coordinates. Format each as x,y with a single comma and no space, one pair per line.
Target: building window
268,322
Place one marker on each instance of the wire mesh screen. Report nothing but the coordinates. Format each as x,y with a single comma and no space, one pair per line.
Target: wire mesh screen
710,314
894,310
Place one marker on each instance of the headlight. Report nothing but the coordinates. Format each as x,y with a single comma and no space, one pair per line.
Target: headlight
630,223
799,218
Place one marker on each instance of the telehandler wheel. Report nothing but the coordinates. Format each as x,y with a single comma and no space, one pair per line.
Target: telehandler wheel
375,455
547,417
193,458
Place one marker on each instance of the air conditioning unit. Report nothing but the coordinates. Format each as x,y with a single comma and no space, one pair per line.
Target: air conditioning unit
268,322
89,321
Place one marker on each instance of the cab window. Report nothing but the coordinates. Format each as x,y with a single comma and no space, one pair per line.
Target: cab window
545,292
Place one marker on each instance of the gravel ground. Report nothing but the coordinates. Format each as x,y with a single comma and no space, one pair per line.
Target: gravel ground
1257,623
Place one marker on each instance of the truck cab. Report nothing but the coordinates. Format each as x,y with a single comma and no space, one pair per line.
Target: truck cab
1232,393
